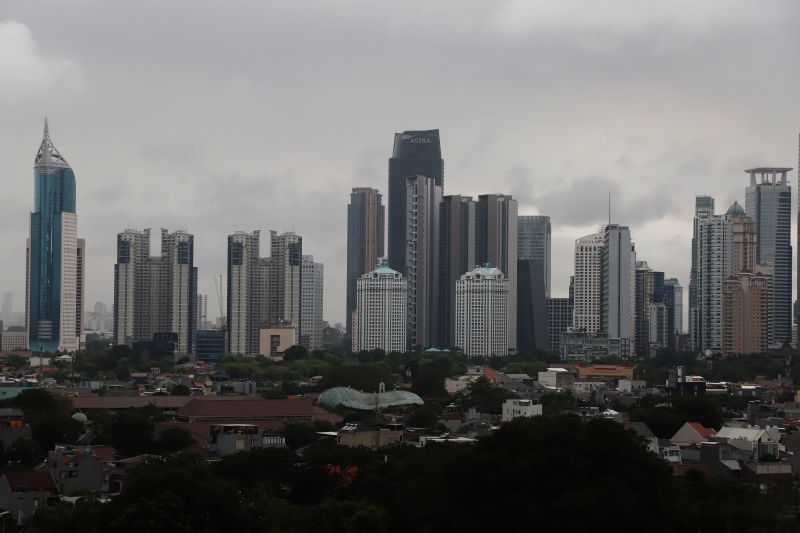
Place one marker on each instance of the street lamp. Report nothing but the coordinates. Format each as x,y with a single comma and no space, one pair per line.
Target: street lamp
4,515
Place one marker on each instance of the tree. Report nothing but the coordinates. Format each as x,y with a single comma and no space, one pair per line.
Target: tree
174,439
15,361
294,353
181,390
50,417
429,382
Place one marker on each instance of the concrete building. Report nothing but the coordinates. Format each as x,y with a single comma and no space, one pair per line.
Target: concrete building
617,284
559,315
768,201
382,310
712,263
423,197
365,228
557,378
533,242
263,291
14,340
273,341
516,408
54,282
456,256
311,303
482,319
496,244
155,294
586,314
745,314
209,345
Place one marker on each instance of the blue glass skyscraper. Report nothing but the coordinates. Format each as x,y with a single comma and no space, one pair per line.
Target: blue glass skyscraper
55,255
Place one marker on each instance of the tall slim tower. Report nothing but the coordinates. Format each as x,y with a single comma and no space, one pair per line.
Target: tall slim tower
618,274
768,201
284,277
246,298
456,257
415,153
712,263
311,287
55,256
422,259
496,244
365,225
533,242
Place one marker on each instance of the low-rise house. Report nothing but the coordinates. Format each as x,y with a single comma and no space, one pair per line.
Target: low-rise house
23,493
73,470
762,474
557,379
231,438
591,384
12,427
359,434
759,441
692,432
516,408
641,429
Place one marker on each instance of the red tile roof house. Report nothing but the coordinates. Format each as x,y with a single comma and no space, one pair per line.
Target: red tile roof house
692,432
23,493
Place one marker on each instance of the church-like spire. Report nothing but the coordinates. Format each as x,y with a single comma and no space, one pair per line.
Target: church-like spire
48,155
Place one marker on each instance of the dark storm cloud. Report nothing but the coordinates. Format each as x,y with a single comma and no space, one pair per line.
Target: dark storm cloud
263,115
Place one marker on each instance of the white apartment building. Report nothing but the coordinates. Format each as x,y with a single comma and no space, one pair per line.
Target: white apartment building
482,312
381,310
516,408
311,303
587,312
712,263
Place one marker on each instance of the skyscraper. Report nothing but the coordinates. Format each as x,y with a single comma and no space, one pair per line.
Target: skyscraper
673,291
533,242
246,285
456,257
382,310
416,153
617,282
365,224
745,314
496,244
712,263
262,291
482,312
586,304
311,287
559,315
533,332
422,259
155,294
54,256
768,202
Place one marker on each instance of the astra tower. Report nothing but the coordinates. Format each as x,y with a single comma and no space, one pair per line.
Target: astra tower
55,256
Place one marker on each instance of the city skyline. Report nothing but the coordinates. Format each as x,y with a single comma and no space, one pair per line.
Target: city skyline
644,105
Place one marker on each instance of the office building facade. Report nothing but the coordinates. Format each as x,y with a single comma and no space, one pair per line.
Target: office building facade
155,295
559,315
533,242
365,229
745,314
496,232
533,332
617,284
54,283
588,263
382,310
768,202
482,312
456,257
673,291
415,153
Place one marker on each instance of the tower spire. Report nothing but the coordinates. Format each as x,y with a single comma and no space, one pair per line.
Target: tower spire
48,155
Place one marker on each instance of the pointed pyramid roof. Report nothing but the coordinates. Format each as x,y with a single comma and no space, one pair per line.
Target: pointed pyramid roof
48,155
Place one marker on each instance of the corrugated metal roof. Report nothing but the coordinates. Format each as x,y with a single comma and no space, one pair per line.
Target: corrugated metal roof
367,401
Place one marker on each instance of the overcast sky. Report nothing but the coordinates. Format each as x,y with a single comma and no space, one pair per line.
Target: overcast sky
243,115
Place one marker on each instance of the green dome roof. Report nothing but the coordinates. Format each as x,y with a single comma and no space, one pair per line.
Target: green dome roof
735,209
80,417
